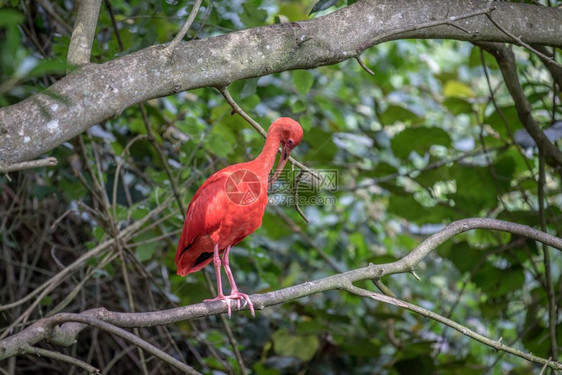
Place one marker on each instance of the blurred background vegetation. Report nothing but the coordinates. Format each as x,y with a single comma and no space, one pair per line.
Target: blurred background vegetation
416,146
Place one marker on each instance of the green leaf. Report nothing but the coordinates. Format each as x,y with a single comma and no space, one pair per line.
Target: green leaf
456,89
382,169
322,5
420,365
430,177
476,60
303,81
397,113
260,369
322,147
407,207
476,188
365,348
496,282
298,106
253,16
46,67
457,105
291,345
10,17
419,140
146,251
464,257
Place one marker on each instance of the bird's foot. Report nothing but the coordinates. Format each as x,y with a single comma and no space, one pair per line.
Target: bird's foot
242,296
236,295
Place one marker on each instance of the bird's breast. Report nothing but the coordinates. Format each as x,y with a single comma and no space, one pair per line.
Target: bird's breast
242,215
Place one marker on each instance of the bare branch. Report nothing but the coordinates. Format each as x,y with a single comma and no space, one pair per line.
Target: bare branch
521,42
39,352
552,316
137,341
508,67
391,34
39,163
365,67
80,47
185,28
49,9
555,70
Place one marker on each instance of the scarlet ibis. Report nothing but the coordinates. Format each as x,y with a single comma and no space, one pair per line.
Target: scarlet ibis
229,206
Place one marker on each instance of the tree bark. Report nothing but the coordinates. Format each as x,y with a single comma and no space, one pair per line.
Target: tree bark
98,92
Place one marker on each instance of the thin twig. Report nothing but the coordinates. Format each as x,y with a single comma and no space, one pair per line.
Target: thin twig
234,345
40,352
552,316
39,163
447,21
137,341
163,159
365,67
296,196
118,169
149,134
519,41
185,28
114,24
50,11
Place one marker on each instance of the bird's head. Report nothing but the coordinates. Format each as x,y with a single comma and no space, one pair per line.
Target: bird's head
290,135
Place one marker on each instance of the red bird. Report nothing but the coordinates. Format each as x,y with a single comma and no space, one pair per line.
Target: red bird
229,206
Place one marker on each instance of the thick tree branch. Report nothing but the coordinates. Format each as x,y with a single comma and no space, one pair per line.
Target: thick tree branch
45,120
508,67
62,329
80,47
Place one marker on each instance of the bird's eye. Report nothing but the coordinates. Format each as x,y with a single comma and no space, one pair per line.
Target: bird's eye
290,141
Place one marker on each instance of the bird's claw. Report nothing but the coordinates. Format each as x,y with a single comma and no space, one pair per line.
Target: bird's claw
234,296
243,296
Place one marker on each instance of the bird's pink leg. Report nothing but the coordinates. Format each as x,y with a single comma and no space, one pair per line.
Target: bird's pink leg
234,292
217,264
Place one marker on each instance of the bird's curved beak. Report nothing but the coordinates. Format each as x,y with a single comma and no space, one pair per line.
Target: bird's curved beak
285,153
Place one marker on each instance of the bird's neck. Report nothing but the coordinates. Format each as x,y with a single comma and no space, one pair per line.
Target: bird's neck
266,158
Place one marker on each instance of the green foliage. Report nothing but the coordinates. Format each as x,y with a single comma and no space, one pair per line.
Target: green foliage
290,345
252,15
419,140
303,81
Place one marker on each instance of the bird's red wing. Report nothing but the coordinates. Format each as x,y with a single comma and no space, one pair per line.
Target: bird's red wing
203,217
